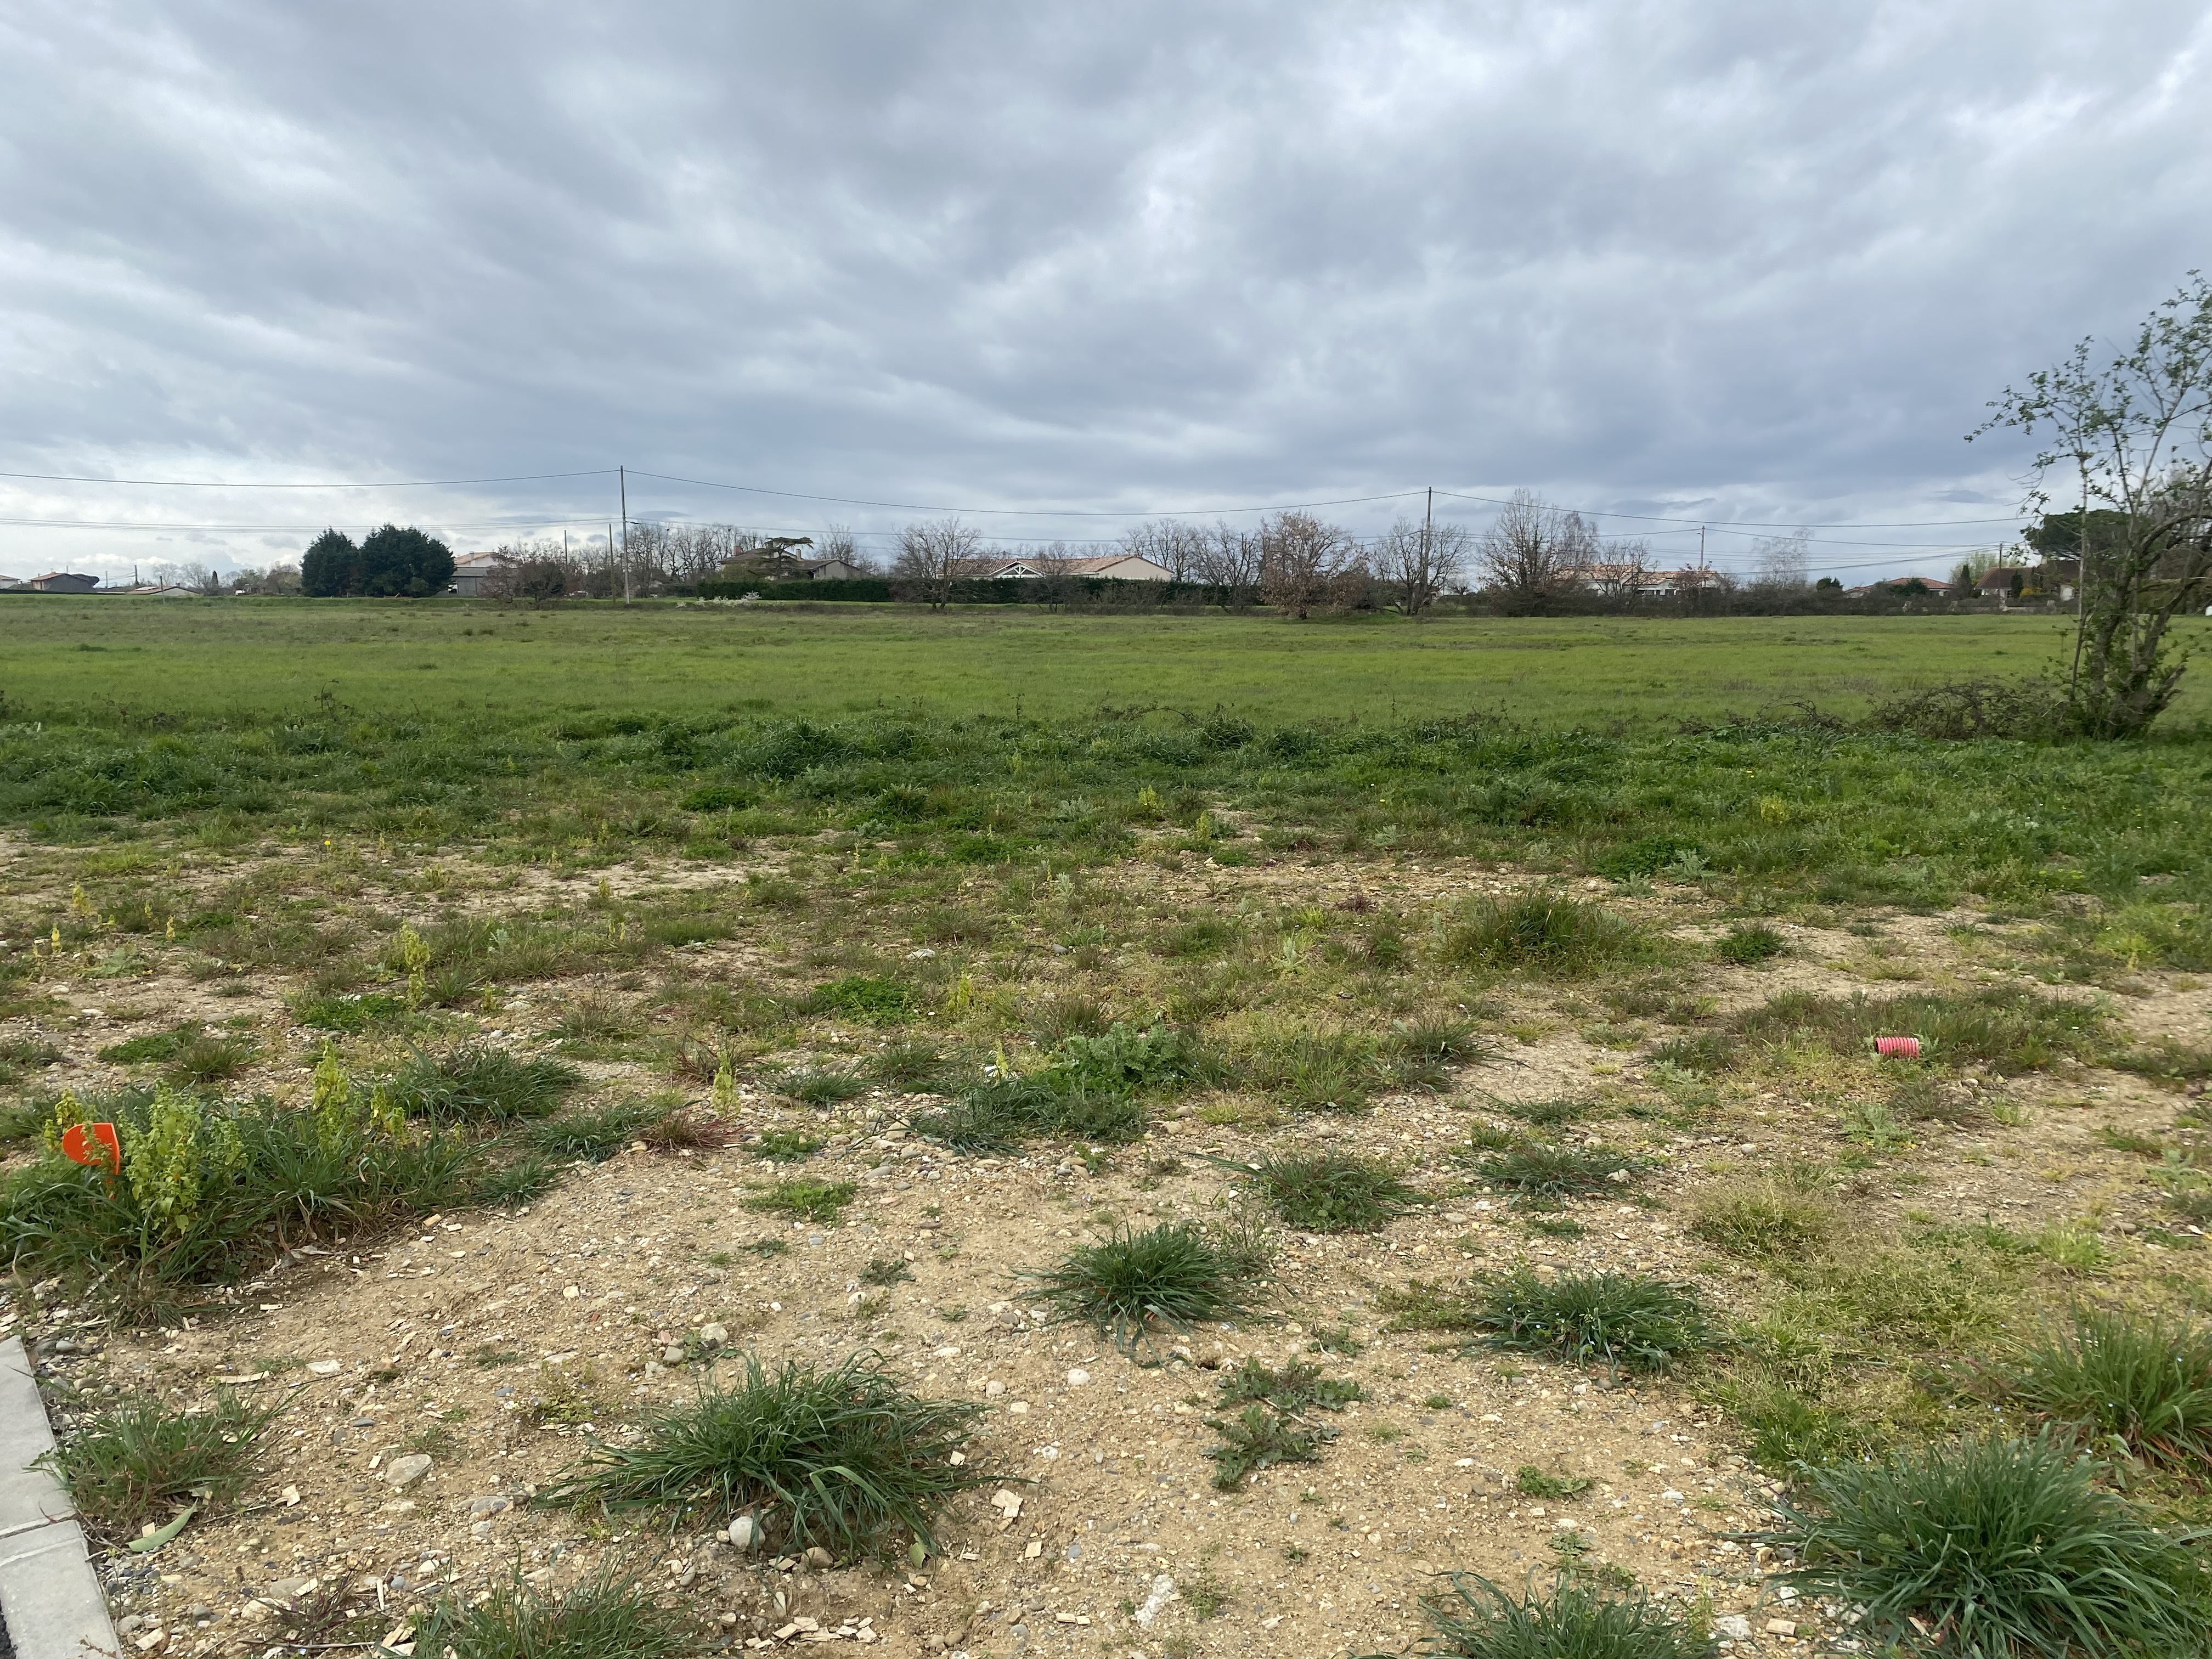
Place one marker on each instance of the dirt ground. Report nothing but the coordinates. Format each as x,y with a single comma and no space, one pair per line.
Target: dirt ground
486,1339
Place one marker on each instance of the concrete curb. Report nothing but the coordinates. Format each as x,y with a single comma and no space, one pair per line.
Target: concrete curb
48,1590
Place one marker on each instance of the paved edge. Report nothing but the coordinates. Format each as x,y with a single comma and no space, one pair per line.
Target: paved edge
48,1590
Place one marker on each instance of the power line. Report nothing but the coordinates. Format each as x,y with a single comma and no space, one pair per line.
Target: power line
1036,511
1745,524
401,483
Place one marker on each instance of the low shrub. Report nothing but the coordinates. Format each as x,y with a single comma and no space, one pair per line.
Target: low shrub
1331,1192
1176,1274
1547,933
1574,1619
2007,1548
2141,1387
139,1460
841,1456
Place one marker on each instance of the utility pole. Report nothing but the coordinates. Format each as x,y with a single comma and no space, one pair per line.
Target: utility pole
621,477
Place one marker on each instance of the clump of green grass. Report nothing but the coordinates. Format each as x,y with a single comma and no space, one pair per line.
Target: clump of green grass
912,1067
1533,1482
2001,1027
2009,1548
823,1088
205,1057
1176,1274
885,1271
1088,1089
2139,1386
1622,1321
805,1199
787,1145
1574,1619
1550,1114
146,1049
476,1084
516,1181
349,1014
1547,934
1317,1072
841,1456
1775,1216
140,1459
1749,943
861,996
1331,1192
595,1134
1699,1053
1548,1175
608,1615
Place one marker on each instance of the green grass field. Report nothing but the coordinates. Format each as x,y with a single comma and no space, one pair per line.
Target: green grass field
584,736
254,658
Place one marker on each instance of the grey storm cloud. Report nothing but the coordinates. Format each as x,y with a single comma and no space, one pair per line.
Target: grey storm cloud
1746,261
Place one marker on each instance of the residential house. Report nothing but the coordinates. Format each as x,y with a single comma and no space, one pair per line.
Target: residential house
469,572
64,582
2002,581
1113,567
824,570
1627,580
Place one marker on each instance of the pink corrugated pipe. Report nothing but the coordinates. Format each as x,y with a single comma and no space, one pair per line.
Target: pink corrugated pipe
1897,1048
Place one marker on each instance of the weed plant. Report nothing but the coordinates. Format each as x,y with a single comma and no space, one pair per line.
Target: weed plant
1749,943
206,1057
1573,1618
611,1616
1777,1216
841,1456
596,1133
1176,1274
2007,1548
912,1067
1533,1482
787,1145
139,1459
1331,1192
1293,1387
1257,1438
823,1088
2122,1383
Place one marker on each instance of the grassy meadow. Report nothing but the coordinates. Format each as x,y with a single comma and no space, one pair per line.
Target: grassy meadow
1447,1052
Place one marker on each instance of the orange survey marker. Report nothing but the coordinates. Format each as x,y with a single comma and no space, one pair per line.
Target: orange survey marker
94,1142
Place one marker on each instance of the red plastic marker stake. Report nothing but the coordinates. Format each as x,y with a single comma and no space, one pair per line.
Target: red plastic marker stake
1897,1048
80,1140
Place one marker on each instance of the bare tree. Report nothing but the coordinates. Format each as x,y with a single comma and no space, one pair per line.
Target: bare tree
1181,549
1228,556
1782,564
934,557
1530,549
1300,556
1421,560
839,543
2138,432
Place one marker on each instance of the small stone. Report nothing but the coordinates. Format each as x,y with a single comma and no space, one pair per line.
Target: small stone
324,1368
488,1504
1780,1627
1078,1377
744,1533
993,1390
819,1558
672,1355
404,1471
291,1590
1733,1627
1032,1550
715,1335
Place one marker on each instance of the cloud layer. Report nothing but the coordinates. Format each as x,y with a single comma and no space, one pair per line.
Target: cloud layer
1752,262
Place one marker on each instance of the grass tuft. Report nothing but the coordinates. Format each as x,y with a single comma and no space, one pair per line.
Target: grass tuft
1176,1273
1332,1192
479,1085
1548,1175
140,1460
2008,1549
1574,1619
2004,1028
841,1457
805,1199
609,1616
1766,1217
2140,1388
1750,942
1547,934
1623,1320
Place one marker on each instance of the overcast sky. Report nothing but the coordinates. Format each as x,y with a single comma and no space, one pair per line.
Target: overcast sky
1759,262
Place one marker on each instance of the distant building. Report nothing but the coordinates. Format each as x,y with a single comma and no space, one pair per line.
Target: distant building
1114,567
825,570
1634,580
470,571
64,582
2002,581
